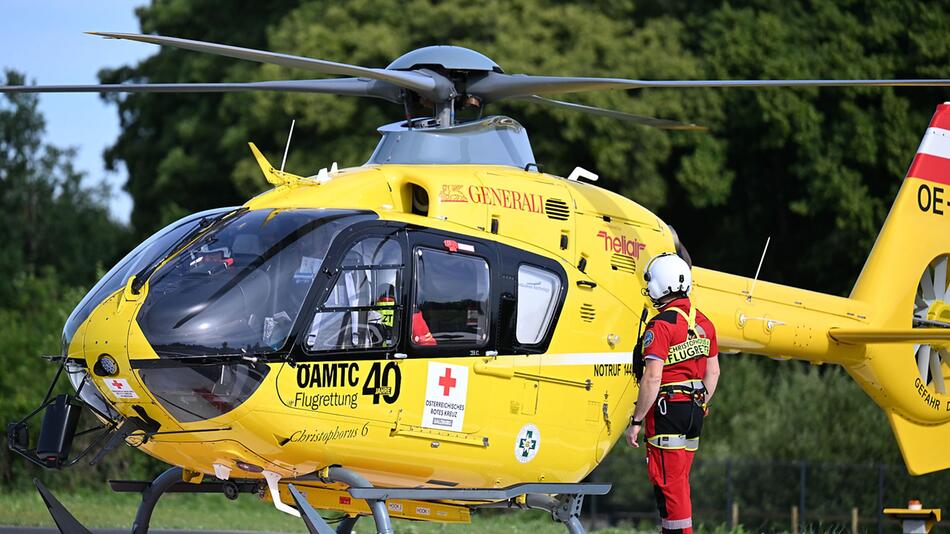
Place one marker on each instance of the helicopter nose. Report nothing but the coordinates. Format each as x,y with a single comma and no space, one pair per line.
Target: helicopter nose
105,348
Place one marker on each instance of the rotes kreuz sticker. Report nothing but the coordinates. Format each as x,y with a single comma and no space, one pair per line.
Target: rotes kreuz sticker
120,388
446,396
527,443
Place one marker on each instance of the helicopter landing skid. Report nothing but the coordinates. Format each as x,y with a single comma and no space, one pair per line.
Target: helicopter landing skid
563,501
169,481
151,492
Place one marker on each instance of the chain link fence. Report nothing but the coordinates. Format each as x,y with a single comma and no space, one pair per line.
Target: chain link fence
763,496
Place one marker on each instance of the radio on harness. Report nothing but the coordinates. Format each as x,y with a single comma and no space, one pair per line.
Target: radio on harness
638,361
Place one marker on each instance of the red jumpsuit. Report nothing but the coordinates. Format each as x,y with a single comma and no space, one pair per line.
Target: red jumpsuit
675,421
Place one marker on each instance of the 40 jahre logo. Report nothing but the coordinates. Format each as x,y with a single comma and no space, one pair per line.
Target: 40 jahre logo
527,443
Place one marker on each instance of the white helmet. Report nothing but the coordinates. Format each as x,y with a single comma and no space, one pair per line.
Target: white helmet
667,273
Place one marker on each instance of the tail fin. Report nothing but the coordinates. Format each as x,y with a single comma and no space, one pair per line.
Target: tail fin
905,282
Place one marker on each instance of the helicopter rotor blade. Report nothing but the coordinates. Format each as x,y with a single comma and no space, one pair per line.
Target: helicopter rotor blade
336,86
495,86
65,521
425,84
663,124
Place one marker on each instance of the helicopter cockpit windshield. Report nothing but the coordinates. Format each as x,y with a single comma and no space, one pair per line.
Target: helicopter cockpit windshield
239,288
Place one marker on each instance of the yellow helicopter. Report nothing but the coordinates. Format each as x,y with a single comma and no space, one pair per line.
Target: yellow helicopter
446,327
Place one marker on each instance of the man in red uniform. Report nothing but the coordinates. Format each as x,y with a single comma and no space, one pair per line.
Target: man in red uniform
680,373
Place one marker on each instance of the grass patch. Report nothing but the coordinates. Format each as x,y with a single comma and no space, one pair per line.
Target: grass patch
177,511
249,514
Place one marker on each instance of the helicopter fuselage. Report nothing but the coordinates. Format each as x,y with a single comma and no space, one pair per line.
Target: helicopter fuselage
519,397
529,284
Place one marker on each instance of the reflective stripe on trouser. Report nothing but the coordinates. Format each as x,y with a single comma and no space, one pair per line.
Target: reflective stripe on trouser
674,441
676,524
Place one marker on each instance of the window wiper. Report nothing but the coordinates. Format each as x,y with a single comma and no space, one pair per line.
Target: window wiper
205,224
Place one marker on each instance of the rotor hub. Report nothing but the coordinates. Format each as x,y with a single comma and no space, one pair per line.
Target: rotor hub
939,311
452,58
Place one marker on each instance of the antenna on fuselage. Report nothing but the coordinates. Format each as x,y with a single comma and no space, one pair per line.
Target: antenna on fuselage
758,269
287,148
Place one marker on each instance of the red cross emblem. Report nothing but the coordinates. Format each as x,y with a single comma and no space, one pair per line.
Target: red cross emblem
447,382
116,384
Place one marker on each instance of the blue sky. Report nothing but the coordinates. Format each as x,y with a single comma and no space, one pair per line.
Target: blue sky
45,40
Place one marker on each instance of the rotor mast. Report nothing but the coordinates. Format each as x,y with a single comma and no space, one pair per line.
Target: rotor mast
445,113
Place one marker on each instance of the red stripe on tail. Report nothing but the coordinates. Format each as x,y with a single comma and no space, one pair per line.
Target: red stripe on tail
932,168
941,118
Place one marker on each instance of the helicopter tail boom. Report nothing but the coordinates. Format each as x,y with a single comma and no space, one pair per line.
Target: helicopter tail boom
893,334
779,321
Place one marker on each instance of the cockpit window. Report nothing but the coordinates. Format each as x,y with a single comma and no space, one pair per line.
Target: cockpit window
196,393
150,250
239,288
362,309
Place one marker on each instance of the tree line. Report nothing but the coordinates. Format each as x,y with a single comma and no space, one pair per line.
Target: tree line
815,169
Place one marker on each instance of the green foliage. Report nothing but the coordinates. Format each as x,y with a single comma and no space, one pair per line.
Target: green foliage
30,326
174,145
805,395
48,215
814,168
57,233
